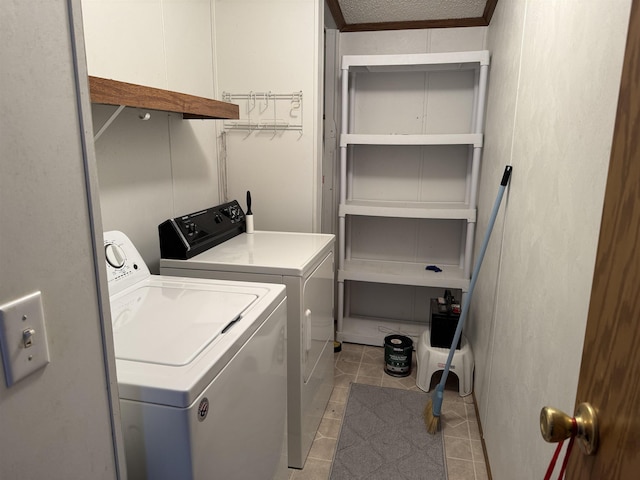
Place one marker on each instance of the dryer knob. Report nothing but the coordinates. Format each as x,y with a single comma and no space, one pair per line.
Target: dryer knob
115,255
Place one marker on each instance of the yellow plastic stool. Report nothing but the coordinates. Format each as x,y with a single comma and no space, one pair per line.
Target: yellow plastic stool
433,359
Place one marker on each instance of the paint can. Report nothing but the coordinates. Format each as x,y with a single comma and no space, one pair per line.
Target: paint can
397,355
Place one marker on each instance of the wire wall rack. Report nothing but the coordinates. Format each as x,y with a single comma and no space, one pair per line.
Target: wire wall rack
266,111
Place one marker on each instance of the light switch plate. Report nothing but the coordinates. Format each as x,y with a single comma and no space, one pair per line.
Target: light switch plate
23,337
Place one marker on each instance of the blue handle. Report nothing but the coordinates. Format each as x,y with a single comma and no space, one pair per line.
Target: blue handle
474,276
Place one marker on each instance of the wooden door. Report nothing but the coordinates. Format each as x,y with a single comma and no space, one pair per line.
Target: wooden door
610,370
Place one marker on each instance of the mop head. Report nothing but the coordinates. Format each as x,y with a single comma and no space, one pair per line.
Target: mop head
432,412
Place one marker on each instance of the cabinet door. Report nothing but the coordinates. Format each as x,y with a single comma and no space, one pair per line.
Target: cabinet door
317,314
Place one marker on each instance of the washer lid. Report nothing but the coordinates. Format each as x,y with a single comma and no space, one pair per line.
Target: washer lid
171,324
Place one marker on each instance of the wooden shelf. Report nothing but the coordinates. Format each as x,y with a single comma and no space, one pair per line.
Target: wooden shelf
113,92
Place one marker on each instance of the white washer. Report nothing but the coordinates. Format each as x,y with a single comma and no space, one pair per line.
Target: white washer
304,263
201,367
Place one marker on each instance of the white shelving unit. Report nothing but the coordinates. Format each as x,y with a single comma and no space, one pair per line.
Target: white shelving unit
447,223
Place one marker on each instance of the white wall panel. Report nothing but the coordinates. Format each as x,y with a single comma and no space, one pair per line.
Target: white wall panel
457,39
374,181
419,174
276,47
194,167
413,303
449,103
188,45
134,173
125,40
153,170
554,84
426,240
55,423
384,42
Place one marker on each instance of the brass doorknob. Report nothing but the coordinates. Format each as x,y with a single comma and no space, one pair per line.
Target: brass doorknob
556,426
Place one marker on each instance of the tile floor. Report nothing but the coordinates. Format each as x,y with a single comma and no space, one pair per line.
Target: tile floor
365,364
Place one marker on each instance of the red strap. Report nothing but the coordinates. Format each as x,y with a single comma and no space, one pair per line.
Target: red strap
568,452
556,454
552,464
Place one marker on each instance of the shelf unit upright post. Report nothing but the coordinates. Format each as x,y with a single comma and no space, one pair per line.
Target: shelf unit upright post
372,330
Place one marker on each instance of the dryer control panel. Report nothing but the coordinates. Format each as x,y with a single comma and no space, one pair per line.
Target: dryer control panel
125,265
188,235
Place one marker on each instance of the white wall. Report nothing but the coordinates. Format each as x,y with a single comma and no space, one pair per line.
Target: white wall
413,41
552,98
164,167
153,170
55,423
274,46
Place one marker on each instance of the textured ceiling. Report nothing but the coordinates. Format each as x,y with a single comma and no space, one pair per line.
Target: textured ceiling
355,15
367,11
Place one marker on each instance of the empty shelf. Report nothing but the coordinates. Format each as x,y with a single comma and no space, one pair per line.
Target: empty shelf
381,208
474,139
371,331
416,61
403,273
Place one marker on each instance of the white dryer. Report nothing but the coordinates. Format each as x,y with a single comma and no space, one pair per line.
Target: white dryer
201,367
198,245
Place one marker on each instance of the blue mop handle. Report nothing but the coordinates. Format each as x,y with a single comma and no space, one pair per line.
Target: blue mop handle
474,275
